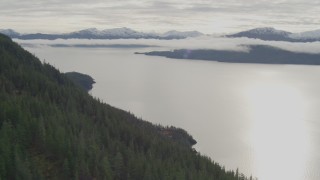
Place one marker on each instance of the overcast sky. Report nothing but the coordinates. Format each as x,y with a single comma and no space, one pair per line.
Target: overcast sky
208,16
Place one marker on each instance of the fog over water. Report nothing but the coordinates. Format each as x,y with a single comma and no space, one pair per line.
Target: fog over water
202,42
262,119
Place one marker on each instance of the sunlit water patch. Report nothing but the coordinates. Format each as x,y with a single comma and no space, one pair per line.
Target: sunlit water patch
279,134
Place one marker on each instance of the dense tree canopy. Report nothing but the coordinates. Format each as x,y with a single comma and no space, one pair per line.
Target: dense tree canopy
82,80
52,129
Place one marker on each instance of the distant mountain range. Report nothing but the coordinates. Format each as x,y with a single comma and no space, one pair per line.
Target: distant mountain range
272,34
93,33
265,33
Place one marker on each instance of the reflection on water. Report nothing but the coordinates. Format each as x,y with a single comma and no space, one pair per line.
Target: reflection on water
262,119
279,134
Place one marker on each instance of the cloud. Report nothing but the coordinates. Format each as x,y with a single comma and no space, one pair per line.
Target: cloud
208,16
204,42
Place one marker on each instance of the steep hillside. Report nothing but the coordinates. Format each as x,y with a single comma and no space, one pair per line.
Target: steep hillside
52,129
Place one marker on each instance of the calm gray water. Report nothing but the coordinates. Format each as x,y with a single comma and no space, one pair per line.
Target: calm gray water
262,119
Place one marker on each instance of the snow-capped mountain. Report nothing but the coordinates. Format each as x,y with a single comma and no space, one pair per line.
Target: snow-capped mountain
94,33
272,34
9,32
115,33
266,33
123,32
127,33
180,34
306,35
268,30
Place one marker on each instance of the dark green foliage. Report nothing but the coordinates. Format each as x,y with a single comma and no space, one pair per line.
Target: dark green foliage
51,129
82,80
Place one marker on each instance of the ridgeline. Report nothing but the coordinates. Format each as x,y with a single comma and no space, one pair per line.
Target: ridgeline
52,129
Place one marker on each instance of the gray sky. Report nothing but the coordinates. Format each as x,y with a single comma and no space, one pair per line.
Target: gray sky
208,16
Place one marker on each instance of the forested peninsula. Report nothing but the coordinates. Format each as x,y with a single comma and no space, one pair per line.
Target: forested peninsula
82,80
50,128
261,54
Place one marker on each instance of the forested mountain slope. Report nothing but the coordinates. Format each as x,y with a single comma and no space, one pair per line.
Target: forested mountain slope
52,129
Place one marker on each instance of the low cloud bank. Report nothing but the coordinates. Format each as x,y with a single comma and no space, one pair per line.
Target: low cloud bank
203,42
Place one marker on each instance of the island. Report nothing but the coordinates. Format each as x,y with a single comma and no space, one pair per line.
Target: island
82,80
257,54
